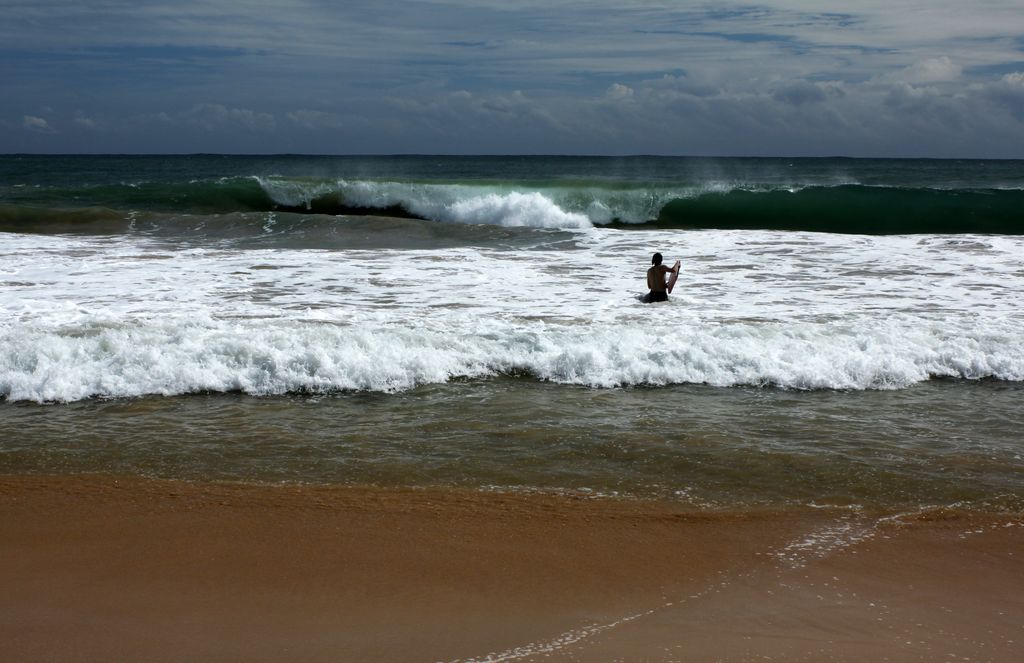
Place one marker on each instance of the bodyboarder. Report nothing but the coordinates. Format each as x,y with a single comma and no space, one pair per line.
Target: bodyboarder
659,287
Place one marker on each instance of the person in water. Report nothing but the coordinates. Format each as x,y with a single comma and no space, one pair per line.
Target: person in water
656,280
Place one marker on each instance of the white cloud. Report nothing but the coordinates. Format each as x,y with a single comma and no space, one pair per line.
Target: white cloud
85,122
931,70
37,124
619,91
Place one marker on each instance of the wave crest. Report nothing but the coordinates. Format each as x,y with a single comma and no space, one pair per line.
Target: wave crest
167,358
448,203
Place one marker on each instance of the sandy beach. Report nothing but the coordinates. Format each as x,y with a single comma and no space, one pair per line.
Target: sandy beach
99,568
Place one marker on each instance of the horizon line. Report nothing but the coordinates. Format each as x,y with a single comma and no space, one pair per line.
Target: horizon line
486,156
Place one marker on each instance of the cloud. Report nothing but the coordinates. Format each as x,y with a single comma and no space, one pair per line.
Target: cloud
798,93
1014,79
84,122
461,110
315,120
778,76
931,70
37,124
215,116
619,91
1007,94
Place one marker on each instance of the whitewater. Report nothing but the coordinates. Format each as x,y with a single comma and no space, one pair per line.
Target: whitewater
129,315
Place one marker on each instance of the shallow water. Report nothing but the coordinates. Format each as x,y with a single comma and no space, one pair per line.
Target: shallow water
940,443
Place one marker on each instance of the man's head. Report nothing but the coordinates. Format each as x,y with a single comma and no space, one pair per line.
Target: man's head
656,259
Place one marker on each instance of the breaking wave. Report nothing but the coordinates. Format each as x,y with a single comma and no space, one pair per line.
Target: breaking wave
275,357
844,208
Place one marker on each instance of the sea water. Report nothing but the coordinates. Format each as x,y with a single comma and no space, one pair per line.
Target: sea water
843,332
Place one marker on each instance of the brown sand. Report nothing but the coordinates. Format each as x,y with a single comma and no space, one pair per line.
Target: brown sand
107,569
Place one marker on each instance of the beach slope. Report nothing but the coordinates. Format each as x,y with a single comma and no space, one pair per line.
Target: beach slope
106,568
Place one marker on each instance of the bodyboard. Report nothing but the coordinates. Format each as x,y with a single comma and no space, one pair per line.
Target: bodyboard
672,281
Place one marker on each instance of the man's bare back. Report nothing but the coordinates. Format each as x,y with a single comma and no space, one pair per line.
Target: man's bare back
656,277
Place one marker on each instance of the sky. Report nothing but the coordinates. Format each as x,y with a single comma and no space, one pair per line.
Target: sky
779,78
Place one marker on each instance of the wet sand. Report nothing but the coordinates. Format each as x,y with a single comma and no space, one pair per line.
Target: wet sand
99,568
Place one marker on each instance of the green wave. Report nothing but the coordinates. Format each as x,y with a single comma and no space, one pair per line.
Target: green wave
853,209
236,194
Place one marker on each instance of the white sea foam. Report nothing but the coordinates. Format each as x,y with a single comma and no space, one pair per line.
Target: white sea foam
125,316
269,357
514,209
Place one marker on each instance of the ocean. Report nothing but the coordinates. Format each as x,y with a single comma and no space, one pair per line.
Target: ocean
844,332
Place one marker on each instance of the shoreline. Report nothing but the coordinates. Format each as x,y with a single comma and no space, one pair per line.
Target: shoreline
98,567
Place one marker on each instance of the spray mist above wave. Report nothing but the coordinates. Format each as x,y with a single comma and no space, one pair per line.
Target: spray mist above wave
169,357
